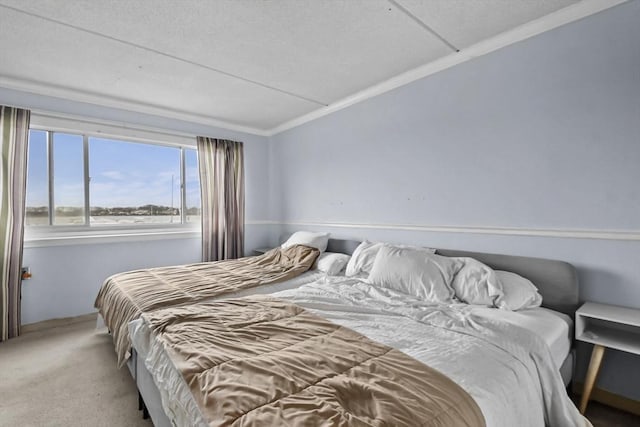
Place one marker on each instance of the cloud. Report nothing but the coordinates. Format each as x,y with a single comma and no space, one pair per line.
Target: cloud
135,193
117,175
192,174
67,194
120,188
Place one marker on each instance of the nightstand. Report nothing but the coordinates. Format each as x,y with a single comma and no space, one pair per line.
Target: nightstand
260,251
605,326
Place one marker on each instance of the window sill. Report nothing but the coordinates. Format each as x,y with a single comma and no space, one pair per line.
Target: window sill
91,237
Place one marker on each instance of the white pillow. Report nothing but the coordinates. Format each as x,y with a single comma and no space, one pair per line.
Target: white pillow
518,293
476,283
415,272
308,238
331,263
363,257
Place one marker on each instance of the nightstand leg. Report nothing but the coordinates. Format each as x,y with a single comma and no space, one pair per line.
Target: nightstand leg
592,374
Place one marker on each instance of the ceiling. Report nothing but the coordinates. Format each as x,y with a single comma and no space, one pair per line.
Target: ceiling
252,65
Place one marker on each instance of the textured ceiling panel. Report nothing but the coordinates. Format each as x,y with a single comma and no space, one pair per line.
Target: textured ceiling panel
466,22
256,63
61,56
323,50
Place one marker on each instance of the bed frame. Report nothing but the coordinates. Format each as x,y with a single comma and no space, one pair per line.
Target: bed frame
557,282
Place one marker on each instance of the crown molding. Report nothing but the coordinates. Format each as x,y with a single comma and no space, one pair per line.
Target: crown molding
556,19
67,93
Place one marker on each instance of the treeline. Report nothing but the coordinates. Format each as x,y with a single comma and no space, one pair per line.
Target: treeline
116,211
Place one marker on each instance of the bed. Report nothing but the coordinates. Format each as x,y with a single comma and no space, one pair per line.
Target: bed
125,296
545,333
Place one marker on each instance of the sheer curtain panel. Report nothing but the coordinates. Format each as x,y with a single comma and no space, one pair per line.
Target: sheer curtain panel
14,134
221,165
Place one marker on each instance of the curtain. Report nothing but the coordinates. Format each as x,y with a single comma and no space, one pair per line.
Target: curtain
221,165
14,133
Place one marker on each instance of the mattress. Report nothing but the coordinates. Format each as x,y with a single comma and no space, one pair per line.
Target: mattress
306,277
125,296
510,375
261,361
555,328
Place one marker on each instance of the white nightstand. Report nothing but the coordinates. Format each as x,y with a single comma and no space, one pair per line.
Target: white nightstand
606,326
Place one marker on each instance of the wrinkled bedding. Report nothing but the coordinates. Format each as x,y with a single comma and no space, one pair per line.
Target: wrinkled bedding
505,368
555,328
124,296
261,361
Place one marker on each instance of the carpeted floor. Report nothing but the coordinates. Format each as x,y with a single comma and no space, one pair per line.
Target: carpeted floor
67,376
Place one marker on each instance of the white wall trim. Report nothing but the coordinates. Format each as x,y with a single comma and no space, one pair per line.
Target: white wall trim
37,88
90,236
633,235
92,239
561,17
133,236
262,222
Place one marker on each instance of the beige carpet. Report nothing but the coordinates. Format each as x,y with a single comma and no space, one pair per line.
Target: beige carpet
65,376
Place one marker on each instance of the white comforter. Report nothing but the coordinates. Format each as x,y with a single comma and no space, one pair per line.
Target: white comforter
505,368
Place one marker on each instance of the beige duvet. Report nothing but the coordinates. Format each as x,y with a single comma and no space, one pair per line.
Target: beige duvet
261,361
123,297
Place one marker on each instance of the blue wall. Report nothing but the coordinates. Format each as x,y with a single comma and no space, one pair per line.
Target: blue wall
543,134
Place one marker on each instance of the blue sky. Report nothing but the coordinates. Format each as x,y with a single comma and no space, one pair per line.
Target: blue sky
122,173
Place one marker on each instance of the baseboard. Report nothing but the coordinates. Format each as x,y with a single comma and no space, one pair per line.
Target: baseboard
610,399
56,323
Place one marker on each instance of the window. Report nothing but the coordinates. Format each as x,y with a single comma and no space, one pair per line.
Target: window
77,180
37,212
192,186
68,179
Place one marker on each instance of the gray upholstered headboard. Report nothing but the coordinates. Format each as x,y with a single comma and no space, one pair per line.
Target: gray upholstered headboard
342,246
557,281
335,245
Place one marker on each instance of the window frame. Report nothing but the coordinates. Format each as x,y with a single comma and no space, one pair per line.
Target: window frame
37,234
